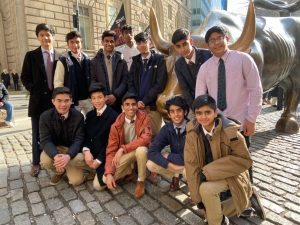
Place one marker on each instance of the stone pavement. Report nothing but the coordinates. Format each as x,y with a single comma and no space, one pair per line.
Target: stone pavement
26,200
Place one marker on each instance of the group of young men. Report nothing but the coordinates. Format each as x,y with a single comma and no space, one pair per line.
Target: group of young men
119,129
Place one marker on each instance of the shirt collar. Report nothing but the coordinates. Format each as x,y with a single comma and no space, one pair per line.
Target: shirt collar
102,109
182,126
45,50
224,57
77,56
147,57
128,120
193,59
206,132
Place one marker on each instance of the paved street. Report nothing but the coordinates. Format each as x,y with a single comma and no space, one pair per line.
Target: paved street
26,200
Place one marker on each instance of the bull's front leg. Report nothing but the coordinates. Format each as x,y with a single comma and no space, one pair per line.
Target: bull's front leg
287,122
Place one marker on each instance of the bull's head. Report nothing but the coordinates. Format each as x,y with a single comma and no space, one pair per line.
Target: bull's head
242,43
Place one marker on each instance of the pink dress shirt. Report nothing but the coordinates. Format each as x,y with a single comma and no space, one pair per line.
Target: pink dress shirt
243,85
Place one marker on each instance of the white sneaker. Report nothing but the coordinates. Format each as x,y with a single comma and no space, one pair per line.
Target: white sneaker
9,124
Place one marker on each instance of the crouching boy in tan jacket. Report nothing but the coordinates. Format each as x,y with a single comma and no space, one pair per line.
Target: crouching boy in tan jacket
216,161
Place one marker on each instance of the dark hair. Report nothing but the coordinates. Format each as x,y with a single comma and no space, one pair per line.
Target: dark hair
72,34
129,95
204,100
178,101
61,90
108,33
127,27
143,36
44,26
180,34
97,87
217,29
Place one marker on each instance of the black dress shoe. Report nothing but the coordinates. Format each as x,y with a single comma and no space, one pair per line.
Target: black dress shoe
256,204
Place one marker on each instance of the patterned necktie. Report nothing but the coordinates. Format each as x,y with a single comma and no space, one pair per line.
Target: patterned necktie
222,105
145,61
49,70
98,113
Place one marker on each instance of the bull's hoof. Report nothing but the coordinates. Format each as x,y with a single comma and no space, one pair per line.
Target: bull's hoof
287,125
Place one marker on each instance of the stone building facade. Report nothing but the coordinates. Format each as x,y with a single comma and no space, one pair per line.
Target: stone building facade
18,19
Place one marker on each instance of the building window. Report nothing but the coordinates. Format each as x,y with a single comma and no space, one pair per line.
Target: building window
85,26
169,12
196,22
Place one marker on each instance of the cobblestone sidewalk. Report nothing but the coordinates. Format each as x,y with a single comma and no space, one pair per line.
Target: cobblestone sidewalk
26,200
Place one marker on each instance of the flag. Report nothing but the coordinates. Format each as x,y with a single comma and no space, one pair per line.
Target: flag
117,25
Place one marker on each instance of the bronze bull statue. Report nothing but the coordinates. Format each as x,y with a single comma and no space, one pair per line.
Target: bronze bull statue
274,43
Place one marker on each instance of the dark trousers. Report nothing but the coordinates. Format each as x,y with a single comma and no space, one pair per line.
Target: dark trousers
248,142
36,151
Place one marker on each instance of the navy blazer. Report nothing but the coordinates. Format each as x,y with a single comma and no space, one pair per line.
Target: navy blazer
34,78
158,71
167,136
186,80
120,75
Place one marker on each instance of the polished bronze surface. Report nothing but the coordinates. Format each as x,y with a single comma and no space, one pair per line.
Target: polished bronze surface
275,49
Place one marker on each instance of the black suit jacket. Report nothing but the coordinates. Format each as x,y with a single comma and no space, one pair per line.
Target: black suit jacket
34,78
186,80
158,71
120,76
96,135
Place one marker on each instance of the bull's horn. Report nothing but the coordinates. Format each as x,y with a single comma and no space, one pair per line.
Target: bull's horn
249,30
161,44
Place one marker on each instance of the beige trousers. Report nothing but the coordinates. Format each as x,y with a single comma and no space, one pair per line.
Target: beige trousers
169,173
74,169
125,166
209,192
155,120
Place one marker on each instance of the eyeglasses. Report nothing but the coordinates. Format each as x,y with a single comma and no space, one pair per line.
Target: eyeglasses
215,40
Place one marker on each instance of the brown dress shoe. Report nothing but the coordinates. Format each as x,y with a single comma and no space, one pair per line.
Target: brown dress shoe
35,170
56,179
174,186
139,189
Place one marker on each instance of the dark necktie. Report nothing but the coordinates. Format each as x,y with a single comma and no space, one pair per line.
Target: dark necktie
132,121
49,70
192,68
178,132
145,61
62,118
108,57
221,86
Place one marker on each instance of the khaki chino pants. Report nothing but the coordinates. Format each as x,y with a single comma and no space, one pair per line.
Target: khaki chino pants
125,166
209,192
74,169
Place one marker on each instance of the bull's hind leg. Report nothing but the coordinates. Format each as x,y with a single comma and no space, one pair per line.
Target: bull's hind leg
287,122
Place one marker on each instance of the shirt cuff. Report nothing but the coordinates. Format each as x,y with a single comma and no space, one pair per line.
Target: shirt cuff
85,149
98,161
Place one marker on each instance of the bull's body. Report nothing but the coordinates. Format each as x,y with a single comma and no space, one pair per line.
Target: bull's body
275,49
